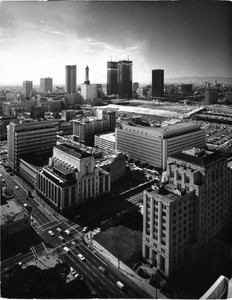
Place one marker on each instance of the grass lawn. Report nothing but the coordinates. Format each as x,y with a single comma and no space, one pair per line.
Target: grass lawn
121,241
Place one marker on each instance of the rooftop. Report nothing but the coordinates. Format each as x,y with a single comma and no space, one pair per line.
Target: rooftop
11,211
196,156
73,151
108,136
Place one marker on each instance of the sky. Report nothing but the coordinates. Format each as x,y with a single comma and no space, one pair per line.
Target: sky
39,38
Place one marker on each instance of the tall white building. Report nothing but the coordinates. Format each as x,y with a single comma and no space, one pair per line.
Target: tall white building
46,85
71,178
185,212
153,145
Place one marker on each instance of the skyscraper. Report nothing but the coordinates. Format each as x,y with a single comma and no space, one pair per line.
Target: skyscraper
27,88
87,75
112,83
46,84
124,78
70,79
157,83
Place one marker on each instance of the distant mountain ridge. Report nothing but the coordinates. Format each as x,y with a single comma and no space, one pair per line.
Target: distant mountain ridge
196,79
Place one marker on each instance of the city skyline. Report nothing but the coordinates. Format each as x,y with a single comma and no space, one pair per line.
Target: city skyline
183,38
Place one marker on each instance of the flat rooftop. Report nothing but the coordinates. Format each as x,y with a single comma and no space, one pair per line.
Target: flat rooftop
196,156
108,136
37,161
11,211
73,151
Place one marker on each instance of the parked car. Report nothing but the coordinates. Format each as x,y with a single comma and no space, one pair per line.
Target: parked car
81,257
67,232
102,269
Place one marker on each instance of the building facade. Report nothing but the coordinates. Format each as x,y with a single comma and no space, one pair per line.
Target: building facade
187,210
29,137
70,78
71,178
211,97
153,145
105,141
124,79
85,129
46,85
27,88
112,82
157,83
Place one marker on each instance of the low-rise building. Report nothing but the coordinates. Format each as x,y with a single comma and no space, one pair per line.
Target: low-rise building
14,218
105,141
114,164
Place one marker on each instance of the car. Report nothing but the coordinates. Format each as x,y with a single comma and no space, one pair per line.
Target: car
16,187
73,243
85,229
51,232
81,257
67,232
102,269
61,238
66,249
59,230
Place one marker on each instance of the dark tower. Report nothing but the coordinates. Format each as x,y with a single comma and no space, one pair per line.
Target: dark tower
87,75
125,79
112,83
70,79
157,83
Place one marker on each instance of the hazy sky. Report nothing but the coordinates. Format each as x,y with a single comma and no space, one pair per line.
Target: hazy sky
184,38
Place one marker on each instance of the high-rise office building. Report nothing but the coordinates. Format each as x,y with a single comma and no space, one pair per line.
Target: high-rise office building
112,81
27,88
124,78
71,178
153,145
191,206
46,85
211,97
157,83
29,137
70,79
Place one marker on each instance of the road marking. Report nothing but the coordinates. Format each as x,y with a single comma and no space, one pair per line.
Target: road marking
71,227
11,258
102,282
45,248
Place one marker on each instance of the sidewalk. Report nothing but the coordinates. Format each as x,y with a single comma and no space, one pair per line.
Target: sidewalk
124,269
